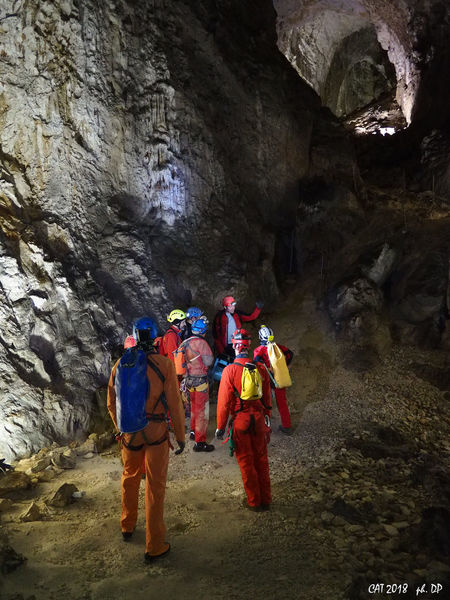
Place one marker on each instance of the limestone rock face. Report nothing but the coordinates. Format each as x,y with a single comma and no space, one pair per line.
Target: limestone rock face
126,187
360,71
359,296
314,35
398,285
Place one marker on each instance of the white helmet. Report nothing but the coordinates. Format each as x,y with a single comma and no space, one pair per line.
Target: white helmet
265,334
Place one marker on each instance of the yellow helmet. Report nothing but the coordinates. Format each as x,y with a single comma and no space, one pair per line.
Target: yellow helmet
176,315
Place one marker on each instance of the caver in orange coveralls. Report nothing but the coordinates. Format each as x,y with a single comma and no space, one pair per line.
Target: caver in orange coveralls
155,454
249,431
173,336
170,342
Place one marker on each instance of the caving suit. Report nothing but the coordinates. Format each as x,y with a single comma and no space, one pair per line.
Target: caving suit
170,342
260,354
199,357
223,332
249,430
153,449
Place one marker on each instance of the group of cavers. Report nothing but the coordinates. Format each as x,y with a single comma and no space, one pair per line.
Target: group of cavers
160,380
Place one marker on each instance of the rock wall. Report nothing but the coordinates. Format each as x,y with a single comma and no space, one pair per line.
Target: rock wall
360,71
412,32
149,153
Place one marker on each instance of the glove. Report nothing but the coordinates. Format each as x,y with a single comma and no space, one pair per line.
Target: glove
259,304
181,446
219,434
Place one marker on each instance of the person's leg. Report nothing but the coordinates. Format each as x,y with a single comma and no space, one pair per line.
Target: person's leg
245,459
200,407
192,411
156,464
131,478
280,396
261,461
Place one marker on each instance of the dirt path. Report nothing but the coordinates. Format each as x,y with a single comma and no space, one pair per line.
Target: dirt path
348,497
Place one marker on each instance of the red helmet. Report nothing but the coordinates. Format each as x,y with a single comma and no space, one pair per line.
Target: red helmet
129,342
241,339
227,301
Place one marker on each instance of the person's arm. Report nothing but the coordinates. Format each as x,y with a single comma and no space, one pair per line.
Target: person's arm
249,317
266,399
171,344
288,354
206,354
111,396
258,355
174,402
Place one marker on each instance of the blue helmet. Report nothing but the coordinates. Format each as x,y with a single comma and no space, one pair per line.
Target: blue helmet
193,312
145,324
199,327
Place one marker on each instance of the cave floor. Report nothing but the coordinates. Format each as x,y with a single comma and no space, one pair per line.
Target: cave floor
370,451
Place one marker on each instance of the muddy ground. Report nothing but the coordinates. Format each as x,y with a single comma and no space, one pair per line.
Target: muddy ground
361,497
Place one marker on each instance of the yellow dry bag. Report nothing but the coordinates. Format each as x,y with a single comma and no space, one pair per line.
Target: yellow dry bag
251,382
279,366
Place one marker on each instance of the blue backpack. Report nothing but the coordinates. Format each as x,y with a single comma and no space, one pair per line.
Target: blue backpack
132,388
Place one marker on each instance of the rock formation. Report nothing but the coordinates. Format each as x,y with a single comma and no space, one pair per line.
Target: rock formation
152,155
149,152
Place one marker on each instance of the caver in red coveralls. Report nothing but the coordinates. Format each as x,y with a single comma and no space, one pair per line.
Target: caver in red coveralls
249,430
220,326
261,354
199,357
155,454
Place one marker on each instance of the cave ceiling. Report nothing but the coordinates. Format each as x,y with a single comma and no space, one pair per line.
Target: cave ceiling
314,34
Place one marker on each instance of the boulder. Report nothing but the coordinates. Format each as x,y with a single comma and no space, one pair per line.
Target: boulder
64,458
46,476
13,482
89,446
381,267
34,512
418,287
105,440
40,464
63,495
356,297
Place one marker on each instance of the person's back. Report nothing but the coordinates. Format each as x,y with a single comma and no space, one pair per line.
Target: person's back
199,358
248,423
232,378
149,444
